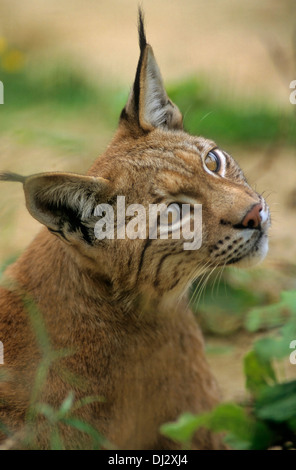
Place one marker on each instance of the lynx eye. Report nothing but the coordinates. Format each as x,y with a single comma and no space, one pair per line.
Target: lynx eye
173,213
170,219
212,161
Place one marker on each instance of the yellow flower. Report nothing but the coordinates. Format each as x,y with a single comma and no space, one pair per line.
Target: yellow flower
13,60
3,44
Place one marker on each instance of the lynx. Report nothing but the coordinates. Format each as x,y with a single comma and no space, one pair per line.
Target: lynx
118,306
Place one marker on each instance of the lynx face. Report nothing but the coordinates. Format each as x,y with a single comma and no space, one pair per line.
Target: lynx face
151,160
172,167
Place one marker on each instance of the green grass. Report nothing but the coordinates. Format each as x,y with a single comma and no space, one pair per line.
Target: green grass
228,120
60,87
63,91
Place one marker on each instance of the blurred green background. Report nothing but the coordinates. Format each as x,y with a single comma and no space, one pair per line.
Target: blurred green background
67,68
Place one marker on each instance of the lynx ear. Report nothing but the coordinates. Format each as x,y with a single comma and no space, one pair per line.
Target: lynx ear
63,202
148,103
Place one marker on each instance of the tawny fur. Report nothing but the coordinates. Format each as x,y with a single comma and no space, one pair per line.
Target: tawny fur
114,306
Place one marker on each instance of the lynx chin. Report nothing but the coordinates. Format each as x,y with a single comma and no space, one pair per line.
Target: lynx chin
118,306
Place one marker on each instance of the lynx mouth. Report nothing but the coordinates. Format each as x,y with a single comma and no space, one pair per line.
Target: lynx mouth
240,249
256,254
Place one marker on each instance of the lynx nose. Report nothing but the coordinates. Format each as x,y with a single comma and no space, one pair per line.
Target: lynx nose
253,218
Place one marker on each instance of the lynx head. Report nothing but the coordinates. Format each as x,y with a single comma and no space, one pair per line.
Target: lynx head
152,160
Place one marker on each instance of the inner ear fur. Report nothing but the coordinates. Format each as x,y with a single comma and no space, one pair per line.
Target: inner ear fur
64,201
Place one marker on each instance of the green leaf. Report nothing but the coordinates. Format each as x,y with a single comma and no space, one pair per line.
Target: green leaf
263,436
56,442
277,347
87,401
183,429
258,372
46,410
289,300
266,317
277,403
66,404
221,308
292,424
274,315
231,418
86,428
227,417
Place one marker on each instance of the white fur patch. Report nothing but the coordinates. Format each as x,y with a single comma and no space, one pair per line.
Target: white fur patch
155,111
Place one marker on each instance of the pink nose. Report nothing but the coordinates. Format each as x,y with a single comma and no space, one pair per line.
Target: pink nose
253,218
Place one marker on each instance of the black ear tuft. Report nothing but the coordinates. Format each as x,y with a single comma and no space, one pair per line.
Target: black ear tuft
143,45
141,30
